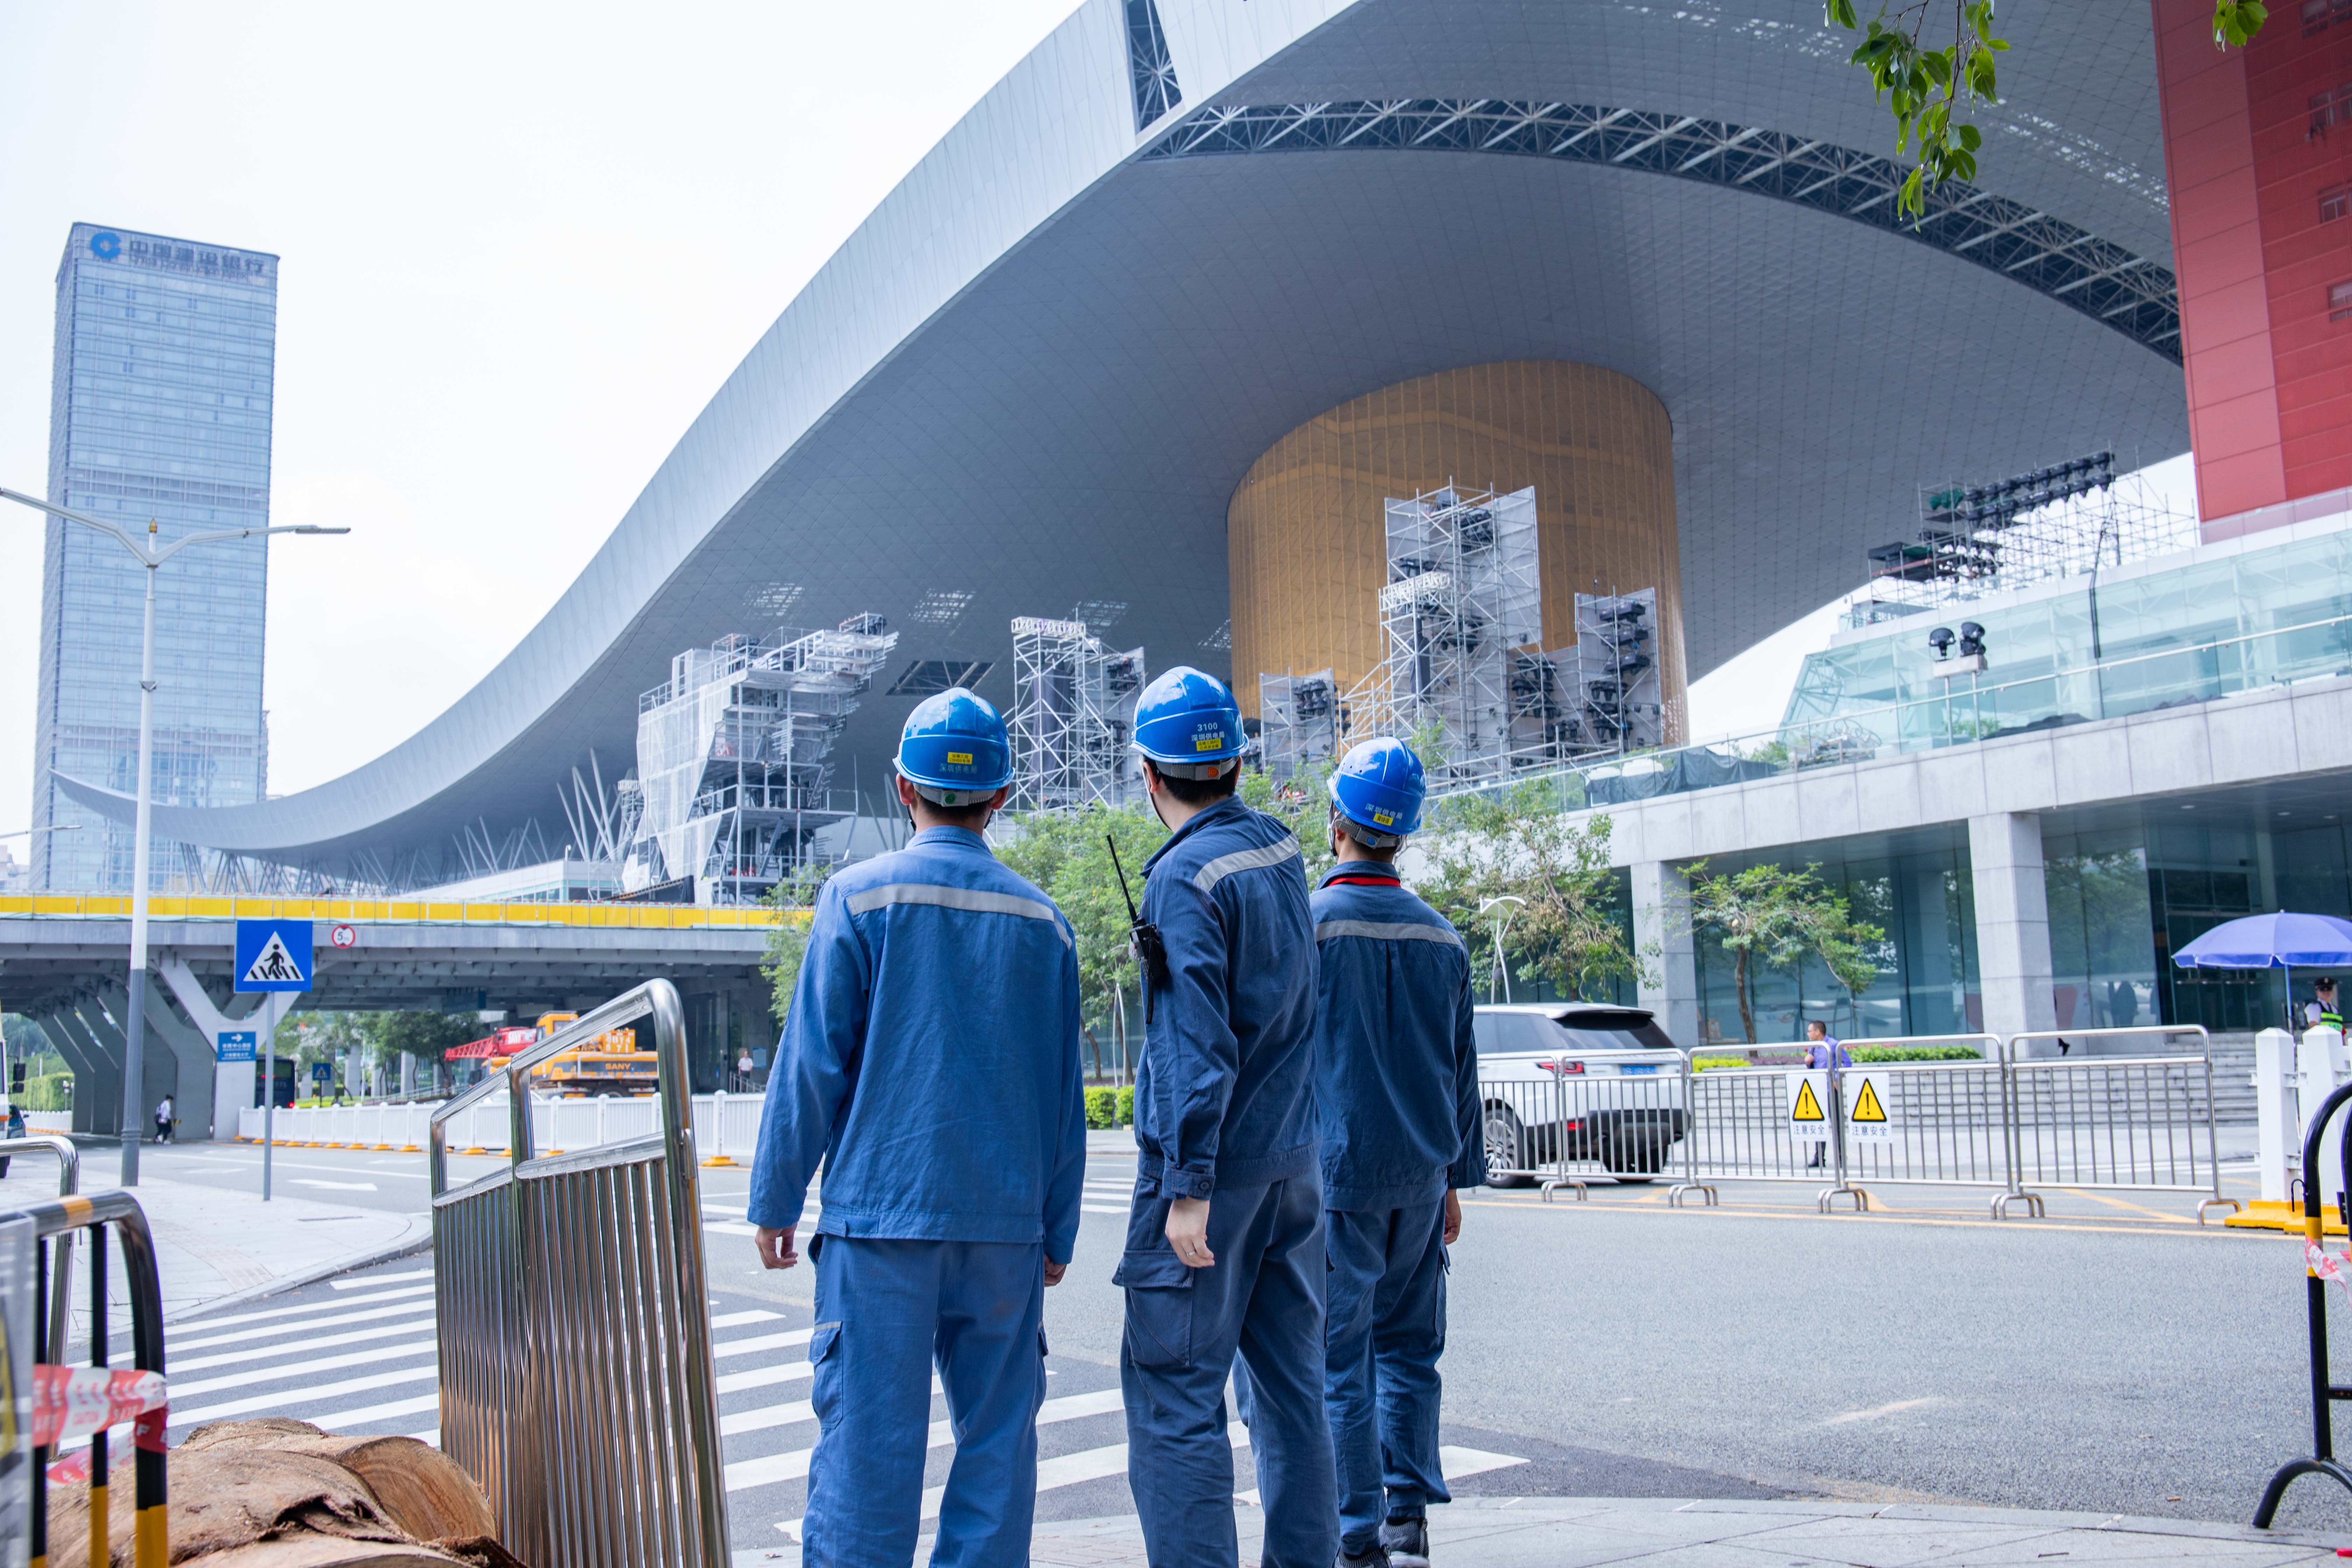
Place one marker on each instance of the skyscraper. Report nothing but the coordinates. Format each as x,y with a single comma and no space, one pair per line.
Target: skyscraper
160,410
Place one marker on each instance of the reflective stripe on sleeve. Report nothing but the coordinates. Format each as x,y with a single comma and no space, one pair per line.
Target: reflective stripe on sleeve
976,900
1400,931
1224,866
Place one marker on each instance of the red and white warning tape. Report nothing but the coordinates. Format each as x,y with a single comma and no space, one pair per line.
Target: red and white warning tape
74,1401
2334,1265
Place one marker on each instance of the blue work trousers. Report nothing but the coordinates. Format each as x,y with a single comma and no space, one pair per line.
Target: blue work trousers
886,1311
1387,1328
1262,1299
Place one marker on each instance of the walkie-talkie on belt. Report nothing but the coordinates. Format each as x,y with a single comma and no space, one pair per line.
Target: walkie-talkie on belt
1143,937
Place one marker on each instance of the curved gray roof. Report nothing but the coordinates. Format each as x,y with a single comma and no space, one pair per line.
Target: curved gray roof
1036,372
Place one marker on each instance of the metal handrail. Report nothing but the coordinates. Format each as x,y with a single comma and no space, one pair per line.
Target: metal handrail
151,1534
68,1183
1972,694
549,1264
2203,1056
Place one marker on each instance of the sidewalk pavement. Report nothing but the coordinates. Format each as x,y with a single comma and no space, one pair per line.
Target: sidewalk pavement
216,1247
1586,1532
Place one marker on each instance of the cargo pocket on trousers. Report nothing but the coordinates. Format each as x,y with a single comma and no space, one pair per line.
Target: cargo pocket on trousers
825,1371
1159,1308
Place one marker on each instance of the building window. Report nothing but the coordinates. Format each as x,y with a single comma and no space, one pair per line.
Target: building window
2331,108
2336,202
2317,14
2339,303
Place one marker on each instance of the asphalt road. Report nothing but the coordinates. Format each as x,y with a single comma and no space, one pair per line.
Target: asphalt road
2114,1357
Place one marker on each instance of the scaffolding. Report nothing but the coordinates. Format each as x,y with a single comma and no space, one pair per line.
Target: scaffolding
1618,699
733,758
1974,540
1298,722
1073,714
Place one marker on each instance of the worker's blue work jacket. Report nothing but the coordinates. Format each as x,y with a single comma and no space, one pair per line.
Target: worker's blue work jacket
1225,1095
1396,1065
930,1058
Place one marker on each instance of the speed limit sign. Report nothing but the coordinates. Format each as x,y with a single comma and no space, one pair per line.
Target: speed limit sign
344,936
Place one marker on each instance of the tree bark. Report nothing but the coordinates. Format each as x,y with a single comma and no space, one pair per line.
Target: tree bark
1747,1008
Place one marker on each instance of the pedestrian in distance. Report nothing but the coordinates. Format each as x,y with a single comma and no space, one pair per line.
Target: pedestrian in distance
12,1125
1224,1240
1823,1052
930,1060
2323,1011
163,1120
1397,1088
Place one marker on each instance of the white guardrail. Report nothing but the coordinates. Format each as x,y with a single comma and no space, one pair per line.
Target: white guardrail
726,1125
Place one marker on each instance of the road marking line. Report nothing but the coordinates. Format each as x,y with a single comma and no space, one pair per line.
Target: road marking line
1877,1411
405,1292
339,1186
737,1320
351,1385
1727,1212
793,1463
376,1279
370,1315
2115,1202
373,1412
285,1367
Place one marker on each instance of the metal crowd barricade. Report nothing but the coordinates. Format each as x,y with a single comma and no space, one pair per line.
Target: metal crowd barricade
576,1380
150,1527
1741,1130
68,1183
2144,1122
1936,1123
1586,1115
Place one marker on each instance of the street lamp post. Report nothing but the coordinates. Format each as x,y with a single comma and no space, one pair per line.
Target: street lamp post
1501,972
151,554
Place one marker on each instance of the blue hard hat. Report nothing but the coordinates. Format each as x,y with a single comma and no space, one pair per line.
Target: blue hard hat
1379,787
1188,717
953,749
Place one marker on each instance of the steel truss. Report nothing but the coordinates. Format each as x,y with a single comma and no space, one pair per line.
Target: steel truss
1073,712
2135,296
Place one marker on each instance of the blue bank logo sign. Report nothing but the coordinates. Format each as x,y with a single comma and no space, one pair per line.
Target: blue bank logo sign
273,955
236,1044
106,245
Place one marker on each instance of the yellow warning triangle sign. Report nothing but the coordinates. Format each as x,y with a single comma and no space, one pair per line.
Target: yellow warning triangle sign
1865,1104
1807,1108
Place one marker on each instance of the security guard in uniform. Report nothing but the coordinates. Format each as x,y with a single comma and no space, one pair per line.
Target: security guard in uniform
1224,1244
1397,1087
931,1060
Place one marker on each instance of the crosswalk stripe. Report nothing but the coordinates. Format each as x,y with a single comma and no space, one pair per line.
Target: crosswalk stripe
372,1314
793,1463
737,1320
344,1419
379,1280
277,1352
1100,1208
1065,1470
765,1417
279,1373
349,1385
406,1290
789,1338
761,1377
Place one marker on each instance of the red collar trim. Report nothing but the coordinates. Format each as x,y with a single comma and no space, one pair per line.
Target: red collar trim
1358,880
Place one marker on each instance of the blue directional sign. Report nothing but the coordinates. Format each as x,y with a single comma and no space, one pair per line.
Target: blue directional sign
236,1044
273,955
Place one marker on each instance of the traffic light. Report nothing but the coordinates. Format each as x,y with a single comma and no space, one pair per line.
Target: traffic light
16,1079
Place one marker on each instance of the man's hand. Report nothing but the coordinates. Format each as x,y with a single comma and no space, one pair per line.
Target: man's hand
775,1247
1188,1232
1452,1217
1053,1271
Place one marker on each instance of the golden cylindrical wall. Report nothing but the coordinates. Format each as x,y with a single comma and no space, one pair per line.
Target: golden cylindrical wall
1305,531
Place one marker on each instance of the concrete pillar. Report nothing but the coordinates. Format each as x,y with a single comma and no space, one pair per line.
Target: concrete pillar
2012,909
64,1032
100,1091
1668,950
193,1051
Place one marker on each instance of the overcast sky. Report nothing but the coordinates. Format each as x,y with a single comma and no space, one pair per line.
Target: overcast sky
519,255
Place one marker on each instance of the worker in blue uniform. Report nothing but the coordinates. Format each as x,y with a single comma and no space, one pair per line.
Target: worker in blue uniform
1397,1088
1224,1243
931,1060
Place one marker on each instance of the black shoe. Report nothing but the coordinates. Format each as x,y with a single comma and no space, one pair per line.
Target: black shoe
1375,1558
1406,1543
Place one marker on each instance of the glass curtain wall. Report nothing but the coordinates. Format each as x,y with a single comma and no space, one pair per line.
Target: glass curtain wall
1923,902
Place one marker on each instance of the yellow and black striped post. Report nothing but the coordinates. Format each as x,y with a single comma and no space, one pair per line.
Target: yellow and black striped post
119,1211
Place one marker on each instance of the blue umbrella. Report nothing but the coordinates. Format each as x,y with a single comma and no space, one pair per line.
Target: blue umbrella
2278,941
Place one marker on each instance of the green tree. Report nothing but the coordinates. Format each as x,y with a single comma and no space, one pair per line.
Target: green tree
422,1035
1068,855
1768,917
1301,803
1517,842
1932,91
788,939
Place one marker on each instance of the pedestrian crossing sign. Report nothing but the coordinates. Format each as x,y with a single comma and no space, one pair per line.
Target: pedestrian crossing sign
273,955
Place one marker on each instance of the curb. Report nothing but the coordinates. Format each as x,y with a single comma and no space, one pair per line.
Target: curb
385,1254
